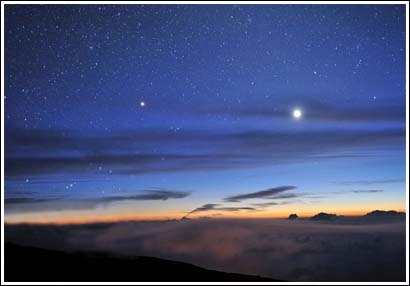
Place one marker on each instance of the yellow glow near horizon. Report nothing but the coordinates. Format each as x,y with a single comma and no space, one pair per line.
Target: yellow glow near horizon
100,216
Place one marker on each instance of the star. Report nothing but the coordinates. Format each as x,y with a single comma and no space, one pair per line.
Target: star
142,103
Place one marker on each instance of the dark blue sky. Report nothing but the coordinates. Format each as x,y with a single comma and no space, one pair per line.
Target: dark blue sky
219,84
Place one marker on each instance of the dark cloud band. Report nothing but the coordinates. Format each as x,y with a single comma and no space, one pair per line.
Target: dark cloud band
269,193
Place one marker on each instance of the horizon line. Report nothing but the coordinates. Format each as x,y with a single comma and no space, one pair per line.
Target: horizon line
81,221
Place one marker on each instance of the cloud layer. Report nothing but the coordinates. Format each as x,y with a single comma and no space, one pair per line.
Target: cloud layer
290,250
44,152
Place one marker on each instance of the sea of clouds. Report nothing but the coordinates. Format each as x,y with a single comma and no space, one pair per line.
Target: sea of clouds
300,250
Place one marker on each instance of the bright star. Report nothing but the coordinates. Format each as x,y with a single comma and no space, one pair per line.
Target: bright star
142,104
297,113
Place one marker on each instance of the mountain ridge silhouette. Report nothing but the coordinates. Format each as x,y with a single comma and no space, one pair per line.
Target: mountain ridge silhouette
26,263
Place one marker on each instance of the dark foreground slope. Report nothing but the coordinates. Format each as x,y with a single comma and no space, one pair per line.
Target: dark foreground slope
35,264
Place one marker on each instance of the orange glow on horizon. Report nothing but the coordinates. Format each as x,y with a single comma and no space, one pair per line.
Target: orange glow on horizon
89,217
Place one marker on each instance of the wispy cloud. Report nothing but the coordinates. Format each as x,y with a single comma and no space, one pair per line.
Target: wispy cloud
367,191
371,182
130,152
268,204
148,196
216,207
269,193
25,200
319,110
27,204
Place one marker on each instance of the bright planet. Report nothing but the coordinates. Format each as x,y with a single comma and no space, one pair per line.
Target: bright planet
297,113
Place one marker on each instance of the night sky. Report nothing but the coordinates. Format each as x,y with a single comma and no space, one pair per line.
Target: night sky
159,111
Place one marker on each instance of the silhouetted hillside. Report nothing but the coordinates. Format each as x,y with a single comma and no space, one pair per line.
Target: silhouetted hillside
35,264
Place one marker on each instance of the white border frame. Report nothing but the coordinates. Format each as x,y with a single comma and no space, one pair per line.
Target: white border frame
204,2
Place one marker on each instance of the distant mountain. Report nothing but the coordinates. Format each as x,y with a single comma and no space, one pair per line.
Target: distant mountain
376,215
385,214
324,216
293,216
24,264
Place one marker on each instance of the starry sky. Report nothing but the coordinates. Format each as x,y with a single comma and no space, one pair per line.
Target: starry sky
117,112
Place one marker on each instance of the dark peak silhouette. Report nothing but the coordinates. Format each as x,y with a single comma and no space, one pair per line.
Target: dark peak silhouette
293,216
57,266
384,214
324,216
